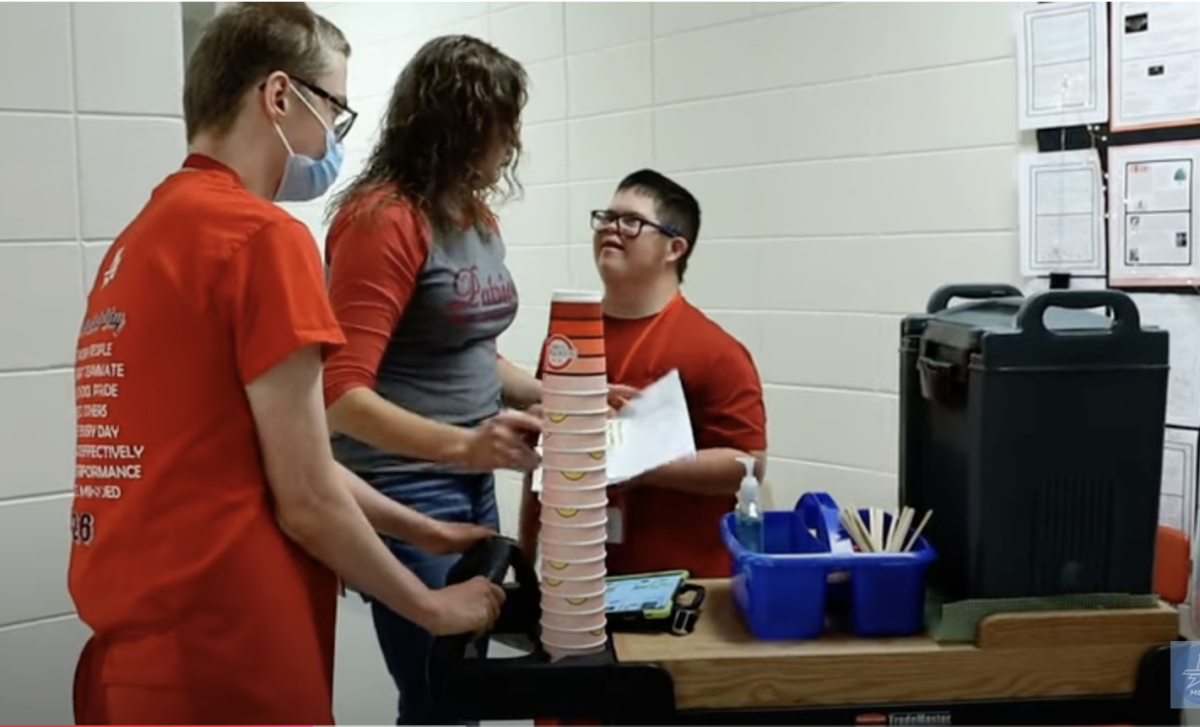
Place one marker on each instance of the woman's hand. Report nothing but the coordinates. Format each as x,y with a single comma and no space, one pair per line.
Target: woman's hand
502,443
445,538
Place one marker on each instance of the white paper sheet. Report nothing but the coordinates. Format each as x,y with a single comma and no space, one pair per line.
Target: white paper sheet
1062,65
1061,202
655,430
1153,215
1179,315
652,430
1177,499
1156,64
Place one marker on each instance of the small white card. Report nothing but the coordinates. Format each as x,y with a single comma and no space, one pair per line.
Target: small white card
615,526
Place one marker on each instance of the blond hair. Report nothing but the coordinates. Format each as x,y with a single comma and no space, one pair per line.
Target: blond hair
241,46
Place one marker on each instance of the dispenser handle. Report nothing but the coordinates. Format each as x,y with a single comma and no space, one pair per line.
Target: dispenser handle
1126,319
978,291
489,558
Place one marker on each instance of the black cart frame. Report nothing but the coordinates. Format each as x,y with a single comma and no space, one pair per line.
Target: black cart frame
644,694
467,686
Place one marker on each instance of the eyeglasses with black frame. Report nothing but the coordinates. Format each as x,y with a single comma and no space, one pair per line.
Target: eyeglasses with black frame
345,118
629,224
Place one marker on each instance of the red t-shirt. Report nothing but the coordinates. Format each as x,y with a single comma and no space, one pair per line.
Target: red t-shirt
178,564
668,529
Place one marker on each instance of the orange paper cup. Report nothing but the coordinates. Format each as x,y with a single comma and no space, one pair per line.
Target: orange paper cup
572,586
574,551
563,350
553,479
585,385
575,403
557,532
558,421
589,568
576,311
575,441
573,328
575,516
575,497
587,619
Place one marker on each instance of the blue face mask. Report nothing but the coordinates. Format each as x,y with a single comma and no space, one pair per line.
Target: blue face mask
305,178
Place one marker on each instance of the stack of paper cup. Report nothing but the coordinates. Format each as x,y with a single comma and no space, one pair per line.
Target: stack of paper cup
574,481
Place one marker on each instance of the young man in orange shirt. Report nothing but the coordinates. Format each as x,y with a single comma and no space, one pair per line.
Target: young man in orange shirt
670,517
210,521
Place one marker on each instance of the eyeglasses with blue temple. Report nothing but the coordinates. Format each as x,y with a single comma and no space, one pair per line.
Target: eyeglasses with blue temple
629,224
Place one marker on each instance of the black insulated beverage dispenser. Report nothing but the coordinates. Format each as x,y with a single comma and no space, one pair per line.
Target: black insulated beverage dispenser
1033,428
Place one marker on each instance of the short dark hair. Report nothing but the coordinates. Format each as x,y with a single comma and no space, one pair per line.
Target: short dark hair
242,45
676,207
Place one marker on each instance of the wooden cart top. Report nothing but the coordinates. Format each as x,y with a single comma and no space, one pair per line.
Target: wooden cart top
1044,654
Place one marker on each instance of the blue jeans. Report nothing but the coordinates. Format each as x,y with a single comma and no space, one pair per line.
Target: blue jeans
405,645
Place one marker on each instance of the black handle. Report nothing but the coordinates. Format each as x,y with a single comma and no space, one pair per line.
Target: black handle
1126,319
978,291
489,558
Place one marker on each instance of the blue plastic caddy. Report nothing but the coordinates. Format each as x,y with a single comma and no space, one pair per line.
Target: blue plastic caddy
786,593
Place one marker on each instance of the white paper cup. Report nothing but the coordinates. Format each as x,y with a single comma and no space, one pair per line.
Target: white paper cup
574,639
588,568
558,421
572,604
575,441
577,619
574,460
594,385
575,403
593,624
555,478
573,586
575,516
556,532
576,551
575,497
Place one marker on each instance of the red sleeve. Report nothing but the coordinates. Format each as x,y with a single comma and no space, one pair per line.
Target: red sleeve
273,293
375,254
733,411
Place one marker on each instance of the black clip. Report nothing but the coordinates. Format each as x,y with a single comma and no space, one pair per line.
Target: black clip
684,621
688,600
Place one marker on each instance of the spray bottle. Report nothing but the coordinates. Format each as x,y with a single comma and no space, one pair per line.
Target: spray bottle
748,515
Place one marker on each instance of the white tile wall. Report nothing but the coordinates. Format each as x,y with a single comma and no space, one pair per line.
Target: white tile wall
90,111
830,145
849,158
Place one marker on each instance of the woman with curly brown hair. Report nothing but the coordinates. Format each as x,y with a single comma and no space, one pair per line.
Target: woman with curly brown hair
418,282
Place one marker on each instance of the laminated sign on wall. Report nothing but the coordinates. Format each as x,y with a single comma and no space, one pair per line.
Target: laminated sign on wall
1062,65
1061,201
1152,215
1155,65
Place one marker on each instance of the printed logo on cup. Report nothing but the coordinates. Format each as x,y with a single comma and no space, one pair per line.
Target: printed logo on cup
560,353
